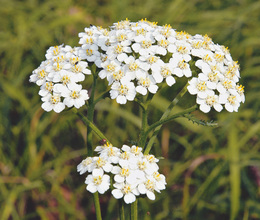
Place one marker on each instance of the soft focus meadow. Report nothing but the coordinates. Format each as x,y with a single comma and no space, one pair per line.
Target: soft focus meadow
212,172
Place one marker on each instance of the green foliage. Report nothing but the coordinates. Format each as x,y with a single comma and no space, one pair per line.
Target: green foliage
212,172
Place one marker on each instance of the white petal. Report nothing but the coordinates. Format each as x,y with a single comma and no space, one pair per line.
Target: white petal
117,193
205,108
121,99
142,189
170,80
91,188
150,195
129,198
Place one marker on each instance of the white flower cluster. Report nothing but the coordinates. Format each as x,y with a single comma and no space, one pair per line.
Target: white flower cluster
135,57
58,77
134,174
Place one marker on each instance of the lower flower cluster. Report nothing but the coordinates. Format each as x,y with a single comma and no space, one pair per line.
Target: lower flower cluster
133,173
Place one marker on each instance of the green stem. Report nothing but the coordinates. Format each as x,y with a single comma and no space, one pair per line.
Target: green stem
90,125
142,139
97,206
121,209
90,114
162,121
166,114
134,213
102,96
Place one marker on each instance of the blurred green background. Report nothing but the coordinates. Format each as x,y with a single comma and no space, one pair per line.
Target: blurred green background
212,173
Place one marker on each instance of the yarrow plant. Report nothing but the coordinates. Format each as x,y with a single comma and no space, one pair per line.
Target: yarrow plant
134,59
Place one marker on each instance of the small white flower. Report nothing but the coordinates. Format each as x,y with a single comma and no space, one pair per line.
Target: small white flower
159,179
100,163
148,188
85,165
52,102
123,91
98,181
75,96
146,82
196,86
128,191
180,66
211,100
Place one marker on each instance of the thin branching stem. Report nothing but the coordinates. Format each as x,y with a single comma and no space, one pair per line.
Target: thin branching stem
165,120
90,125
166,114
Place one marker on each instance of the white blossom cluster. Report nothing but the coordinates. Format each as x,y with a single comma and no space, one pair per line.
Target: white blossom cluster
134,174
134,57
59,76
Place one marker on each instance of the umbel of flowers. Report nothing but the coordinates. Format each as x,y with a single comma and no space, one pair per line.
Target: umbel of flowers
134,174
134,57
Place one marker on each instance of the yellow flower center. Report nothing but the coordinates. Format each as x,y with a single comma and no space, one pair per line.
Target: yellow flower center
136,150
42,74
74,94
56,50
240,89
87,161
49,86
157,176
163,43
140,31
146,44
181,35
152,59
133,66
121,37
65,79
89,40
165,71
213,77
211,100
100,162
110,67
74,60
89,52
97,180
59,59
201,86
145,82
219,57
183,65
227,84
150,158
124,172
142,165
207,58
182,49
77,69
123,90
126,189
118,75
150,185
196,45
232,99
125,156
118,49
55,99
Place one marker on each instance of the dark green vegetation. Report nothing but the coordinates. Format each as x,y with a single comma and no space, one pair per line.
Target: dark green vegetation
212,173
